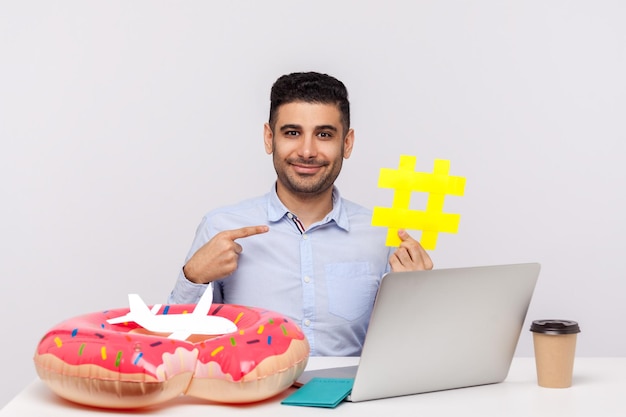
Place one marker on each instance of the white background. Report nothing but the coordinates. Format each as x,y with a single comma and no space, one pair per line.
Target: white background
123,122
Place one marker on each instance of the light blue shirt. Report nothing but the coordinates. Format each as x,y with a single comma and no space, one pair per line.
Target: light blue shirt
324,278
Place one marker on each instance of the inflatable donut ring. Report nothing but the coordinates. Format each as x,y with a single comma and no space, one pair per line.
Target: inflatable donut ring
90,362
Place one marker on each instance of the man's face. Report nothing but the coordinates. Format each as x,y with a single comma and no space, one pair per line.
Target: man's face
308,146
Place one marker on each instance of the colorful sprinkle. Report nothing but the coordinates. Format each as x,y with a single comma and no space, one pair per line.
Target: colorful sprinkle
213,350
217,350
238,317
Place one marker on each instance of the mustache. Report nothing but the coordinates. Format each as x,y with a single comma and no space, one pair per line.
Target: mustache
311,162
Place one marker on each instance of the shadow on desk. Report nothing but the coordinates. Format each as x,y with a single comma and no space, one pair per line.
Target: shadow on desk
49,400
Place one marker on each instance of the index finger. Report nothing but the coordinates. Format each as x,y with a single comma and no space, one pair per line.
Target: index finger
246,231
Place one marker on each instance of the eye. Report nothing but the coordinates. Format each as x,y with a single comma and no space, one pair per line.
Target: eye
325,135
291,133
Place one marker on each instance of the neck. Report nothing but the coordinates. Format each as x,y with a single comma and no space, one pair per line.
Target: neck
308,208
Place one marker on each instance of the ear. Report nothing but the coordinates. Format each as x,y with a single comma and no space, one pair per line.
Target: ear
348,143
268,138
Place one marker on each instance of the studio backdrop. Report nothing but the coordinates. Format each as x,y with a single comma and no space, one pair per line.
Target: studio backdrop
123,122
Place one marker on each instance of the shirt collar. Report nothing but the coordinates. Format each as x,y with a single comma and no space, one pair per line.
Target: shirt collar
276,210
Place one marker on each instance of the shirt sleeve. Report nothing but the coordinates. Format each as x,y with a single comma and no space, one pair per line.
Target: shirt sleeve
187,292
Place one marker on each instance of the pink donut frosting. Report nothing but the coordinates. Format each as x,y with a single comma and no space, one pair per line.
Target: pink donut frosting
128,353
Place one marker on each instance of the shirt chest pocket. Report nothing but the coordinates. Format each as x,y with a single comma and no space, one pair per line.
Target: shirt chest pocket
351,289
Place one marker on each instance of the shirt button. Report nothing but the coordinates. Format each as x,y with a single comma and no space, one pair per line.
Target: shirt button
307,279
307,322
305,237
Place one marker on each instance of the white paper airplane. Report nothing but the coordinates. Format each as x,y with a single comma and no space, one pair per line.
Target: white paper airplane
181,326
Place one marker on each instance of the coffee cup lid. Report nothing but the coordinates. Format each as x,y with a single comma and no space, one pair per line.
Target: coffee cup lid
555,327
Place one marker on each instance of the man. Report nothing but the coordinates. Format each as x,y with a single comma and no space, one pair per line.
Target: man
301,250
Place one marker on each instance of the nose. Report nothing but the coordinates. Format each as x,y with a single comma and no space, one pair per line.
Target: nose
308,146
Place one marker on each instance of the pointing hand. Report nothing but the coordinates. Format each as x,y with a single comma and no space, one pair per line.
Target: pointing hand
218,257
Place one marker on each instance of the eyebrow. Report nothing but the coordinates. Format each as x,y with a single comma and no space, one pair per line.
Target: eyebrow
326,127
290,127
297,127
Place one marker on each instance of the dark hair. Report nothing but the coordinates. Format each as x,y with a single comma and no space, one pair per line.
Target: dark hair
310,87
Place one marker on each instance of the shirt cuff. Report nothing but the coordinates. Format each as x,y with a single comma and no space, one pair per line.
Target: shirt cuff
187,292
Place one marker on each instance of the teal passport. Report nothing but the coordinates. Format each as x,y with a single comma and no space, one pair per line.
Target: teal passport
321,392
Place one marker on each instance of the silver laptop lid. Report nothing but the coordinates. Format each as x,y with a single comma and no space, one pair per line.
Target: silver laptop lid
443,329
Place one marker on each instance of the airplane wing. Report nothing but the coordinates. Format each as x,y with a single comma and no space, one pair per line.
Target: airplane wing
179,335
139,312
204,303
122,319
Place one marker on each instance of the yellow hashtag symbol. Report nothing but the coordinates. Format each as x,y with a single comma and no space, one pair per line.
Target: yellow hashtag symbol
431,221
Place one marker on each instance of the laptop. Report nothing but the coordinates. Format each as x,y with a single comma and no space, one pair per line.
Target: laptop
440,329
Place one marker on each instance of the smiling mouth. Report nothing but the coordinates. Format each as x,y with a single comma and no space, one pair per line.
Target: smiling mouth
307,167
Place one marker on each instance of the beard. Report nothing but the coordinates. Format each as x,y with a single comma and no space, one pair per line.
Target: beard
305,185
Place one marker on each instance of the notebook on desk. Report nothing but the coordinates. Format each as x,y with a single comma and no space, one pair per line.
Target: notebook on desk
440,329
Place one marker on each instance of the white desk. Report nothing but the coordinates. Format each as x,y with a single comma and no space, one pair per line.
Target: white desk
598,390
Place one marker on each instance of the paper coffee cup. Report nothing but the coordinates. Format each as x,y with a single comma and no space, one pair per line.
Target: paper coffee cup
555,348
